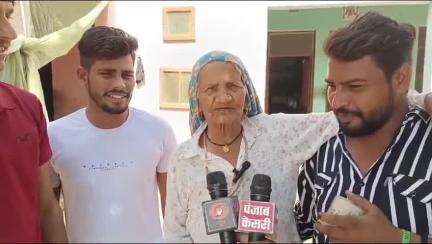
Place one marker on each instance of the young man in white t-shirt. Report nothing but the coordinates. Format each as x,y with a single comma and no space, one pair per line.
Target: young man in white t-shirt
110,159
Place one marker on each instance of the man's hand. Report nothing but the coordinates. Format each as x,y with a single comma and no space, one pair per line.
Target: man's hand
373,226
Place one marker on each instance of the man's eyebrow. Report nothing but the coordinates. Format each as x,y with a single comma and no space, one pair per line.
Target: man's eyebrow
347,81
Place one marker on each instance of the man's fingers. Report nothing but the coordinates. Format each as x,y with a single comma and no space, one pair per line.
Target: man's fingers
344,221
359,201
333,232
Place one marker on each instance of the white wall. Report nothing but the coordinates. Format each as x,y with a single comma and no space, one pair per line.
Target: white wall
236,27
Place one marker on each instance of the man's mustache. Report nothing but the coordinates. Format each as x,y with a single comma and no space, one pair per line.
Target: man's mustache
345,111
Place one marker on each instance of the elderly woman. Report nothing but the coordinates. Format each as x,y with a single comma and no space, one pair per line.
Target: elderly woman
228,129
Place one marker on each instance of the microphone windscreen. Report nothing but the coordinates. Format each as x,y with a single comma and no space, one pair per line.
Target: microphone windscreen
216,178
261,185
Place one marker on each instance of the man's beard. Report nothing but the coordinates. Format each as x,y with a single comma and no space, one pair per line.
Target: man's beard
101,104
370,124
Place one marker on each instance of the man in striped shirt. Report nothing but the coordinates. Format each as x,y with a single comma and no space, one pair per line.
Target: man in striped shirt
381,159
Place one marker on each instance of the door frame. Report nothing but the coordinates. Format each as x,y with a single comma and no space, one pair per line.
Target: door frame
311,59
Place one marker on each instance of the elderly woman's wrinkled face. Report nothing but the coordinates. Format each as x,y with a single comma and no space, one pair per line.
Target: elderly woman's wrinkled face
221,93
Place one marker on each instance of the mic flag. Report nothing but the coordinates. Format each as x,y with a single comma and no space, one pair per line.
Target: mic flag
220,214
256,216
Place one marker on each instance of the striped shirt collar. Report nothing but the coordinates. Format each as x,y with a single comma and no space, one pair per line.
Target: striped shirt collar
418,112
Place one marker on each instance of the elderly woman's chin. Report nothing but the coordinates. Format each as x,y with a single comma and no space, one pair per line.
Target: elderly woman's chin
225,118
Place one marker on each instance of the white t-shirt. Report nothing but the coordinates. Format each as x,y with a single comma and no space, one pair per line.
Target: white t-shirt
108,176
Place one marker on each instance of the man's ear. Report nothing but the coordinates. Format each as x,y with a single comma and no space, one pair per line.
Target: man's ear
82,75
402,78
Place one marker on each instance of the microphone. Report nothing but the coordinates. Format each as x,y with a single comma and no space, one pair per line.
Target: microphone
257,216
219,213
260,191
239,173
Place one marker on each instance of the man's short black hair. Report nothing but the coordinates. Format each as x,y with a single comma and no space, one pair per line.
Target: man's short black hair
388,42
103,42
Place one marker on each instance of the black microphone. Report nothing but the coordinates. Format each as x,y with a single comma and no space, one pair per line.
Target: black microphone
219,214
238,173
260,190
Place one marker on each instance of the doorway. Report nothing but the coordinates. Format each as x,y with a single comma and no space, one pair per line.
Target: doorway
290,62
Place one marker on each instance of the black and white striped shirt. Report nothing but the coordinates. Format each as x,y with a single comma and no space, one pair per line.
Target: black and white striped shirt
399,183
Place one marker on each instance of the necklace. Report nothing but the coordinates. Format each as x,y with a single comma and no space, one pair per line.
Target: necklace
225,147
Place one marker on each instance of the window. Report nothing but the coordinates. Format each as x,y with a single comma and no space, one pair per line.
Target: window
179,24
174,86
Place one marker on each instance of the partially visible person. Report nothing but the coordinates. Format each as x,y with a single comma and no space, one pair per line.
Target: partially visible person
26,55
109,159
28,209
381,158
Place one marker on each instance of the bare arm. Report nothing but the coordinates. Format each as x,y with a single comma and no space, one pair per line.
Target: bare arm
169,147
162,182
55,181
57,191
53,229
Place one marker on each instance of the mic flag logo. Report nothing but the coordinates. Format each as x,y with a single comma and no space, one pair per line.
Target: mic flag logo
256,216
219,211
220,214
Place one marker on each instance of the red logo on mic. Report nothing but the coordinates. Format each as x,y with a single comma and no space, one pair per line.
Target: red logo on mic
219,211
256,216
